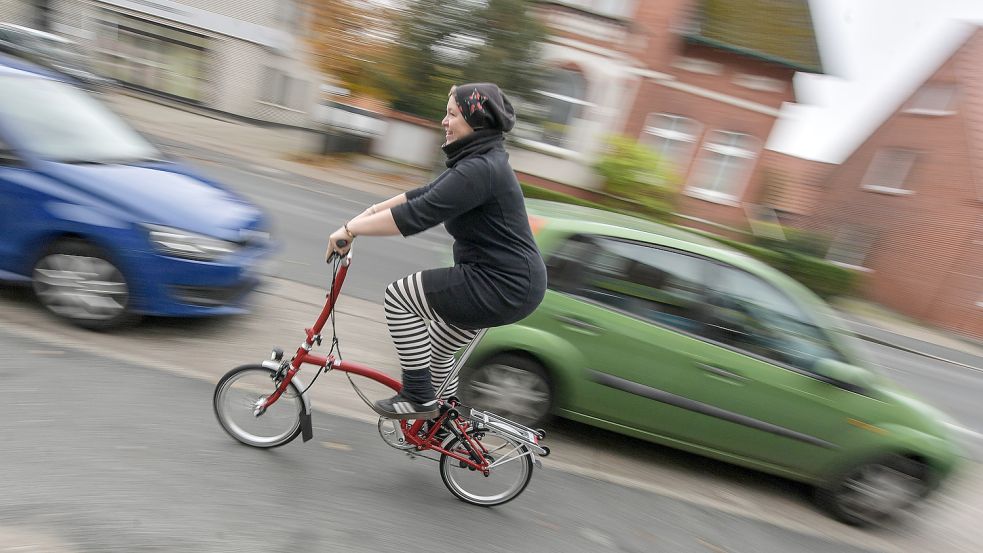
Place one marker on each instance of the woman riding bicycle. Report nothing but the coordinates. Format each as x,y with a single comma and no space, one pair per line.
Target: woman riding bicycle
498,275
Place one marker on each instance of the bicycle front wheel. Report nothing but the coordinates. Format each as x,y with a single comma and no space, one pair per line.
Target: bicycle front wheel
510,469
236,397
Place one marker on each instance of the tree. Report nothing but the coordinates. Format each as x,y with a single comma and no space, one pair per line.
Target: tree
442,43
350,39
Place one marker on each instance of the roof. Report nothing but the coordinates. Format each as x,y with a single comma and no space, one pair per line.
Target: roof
878,53
778,31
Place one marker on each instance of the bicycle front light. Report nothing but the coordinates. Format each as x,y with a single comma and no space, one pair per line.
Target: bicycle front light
188,245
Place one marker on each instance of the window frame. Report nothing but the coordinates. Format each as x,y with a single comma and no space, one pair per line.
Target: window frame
579,273
875,166
741,181
719,266
912,107
535,131
648,129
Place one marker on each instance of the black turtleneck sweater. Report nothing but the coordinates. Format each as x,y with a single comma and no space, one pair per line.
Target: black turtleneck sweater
498,275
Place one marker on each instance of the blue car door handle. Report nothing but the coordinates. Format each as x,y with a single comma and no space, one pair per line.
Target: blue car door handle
723,373
579,324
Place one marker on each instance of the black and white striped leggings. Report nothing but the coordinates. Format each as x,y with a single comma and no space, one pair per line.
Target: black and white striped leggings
423,340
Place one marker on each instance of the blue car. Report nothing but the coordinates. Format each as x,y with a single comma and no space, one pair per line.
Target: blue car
101,224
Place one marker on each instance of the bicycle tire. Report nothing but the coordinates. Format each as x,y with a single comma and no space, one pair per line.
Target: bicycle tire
286,412
453,474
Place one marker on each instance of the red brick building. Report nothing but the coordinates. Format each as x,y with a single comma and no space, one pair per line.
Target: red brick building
698,81
704,82
906,206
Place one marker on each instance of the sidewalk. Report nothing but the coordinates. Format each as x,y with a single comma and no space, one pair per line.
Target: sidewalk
280,149
877,324
277,149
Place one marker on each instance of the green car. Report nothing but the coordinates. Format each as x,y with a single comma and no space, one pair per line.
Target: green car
670,337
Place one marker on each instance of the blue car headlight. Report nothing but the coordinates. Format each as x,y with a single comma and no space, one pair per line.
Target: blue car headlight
184,244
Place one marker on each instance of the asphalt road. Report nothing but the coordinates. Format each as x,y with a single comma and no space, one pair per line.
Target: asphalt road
102,455
304,212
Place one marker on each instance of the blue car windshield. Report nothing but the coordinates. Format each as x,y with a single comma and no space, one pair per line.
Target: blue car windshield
57,122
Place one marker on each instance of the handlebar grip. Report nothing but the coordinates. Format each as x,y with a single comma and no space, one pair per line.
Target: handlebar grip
339,243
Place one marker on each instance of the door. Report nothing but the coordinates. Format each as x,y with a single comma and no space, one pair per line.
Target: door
13,210
756,369
632,309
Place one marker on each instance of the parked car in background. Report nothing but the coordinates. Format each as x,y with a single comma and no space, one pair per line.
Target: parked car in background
667,336
102,225
52,51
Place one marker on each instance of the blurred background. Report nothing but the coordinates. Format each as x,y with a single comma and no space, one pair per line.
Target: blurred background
844,134
837,141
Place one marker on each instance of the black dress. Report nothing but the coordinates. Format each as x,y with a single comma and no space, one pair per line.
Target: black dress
498,275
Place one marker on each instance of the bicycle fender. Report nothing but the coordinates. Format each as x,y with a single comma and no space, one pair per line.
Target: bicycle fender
306,426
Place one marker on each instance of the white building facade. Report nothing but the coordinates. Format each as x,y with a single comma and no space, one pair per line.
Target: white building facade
244,57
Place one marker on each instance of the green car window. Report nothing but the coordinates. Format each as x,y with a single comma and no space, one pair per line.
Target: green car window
659,285
746,312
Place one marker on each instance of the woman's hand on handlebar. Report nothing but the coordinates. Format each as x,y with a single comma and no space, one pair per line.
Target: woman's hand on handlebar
339,243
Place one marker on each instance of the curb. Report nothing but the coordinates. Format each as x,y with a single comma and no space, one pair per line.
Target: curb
907,349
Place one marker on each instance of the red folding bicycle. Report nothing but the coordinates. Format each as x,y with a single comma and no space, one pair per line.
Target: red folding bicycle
484,459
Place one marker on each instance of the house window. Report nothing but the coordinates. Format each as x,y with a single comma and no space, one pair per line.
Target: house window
673,137
889,170
933,99
724,166
152,56
280,89
851,247
553,113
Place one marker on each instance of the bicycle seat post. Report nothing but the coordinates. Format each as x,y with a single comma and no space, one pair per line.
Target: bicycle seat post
461,361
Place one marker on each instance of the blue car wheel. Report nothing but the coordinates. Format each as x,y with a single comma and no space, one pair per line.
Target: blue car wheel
78,282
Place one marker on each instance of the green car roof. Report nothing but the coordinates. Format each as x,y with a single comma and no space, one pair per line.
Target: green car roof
569,219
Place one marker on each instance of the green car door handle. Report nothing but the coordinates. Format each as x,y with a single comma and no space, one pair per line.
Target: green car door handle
723,373
579,324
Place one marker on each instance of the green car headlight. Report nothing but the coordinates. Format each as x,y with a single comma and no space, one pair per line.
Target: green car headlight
188,245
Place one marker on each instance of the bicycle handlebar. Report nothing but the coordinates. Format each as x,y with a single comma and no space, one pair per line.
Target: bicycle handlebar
341,244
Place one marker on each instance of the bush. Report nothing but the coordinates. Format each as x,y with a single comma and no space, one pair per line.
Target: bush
637,179
796,241
537,193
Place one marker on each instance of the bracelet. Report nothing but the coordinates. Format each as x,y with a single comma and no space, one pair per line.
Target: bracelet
350,233
373,209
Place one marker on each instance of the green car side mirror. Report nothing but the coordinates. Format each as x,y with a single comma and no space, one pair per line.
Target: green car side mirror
845,373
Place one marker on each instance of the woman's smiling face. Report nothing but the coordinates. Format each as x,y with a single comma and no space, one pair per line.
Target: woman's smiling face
455,127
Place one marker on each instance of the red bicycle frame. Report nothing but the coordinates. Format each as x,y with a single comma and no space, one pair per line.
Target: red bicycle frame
475,456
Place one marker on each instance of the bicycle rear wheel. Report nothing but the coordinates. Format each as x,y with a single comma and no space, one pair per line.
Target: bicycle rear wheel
236,397
509,472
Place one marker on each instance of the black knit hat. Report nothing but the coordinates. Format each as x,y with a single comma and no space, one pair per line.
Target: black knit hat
484,106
